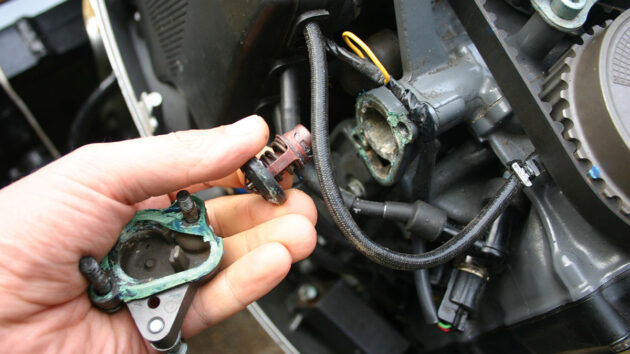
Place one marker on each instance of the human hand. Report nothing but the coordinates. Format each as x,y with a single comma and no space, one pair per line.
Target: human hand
77,206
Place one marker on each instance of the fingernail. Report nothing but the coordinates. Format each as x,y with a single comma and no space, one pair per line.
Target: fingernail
243,126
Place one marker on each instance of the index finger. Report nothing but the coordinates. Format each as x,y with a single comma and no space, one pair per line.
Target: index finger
134,170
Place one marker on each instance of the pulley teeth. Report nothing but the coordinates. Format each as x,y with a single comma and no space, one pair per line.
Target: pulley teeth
556,95
608,194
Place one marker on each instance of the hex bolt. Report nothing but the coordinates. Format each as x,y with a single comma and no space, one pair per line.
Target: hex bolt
188,207
356,187
567,9
307,293
89,267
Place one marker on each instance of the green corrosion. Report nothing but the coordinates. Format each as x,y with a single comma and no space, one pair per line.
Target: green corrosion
127,288
393,119
401,129
402,135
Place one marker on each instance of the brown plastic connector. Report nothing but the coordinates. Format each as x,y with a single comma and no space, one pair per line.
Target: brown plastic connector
288,152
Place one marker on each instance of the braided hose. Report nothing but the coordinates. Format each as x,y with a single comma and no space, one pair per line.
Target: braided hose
316,46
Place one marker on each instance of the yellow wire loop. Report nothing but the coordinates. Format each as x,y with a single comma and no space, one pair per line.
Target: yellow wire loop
350,37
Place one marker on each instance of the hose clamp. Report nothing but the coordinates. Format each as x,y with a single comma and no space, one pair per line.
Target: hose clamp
526,171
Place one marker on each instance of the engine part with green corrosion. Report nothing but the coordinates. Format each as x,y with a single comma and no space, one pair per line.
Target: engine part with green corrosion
384,134
155,267
159,250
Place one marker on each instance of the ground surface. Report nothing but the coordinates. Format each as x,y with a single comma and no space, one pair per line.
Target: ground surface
238,334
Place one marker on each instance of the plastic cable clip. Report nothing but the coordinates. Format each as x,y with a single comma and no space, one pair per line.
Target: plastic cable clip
526,171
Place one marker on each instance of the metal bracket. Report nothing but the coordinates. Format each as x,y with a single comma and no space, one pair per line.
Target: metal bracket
159,318
155,267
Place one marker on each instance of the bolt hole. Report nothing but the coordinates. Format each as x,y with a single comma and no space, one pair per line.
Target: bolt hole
153,302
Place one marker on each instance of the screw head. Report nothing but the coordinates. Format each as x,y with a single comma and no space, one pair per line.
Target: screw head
307,293
567,9
149,264
356,187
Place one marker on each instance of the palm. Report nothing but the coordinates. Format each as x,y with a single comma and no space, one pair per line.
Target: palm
78,205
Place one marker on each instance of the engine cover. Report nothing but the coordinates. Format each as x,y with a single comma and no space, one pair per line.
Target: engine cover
219,53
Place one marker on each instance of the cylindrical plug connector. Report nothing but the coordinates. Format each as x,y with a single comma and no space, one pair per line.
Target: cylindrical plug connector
288,152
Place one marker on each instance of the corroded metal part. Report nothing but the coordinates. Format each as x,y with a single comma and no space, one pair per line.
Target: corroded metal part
155,266
154,228
383,134
188,207
448,77
98,279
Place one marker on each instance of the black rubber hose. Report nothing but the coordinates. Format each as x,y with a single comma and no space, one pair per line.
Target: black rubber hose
316,46
402,211
81,123
422,219
423,287
289,99
395,211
